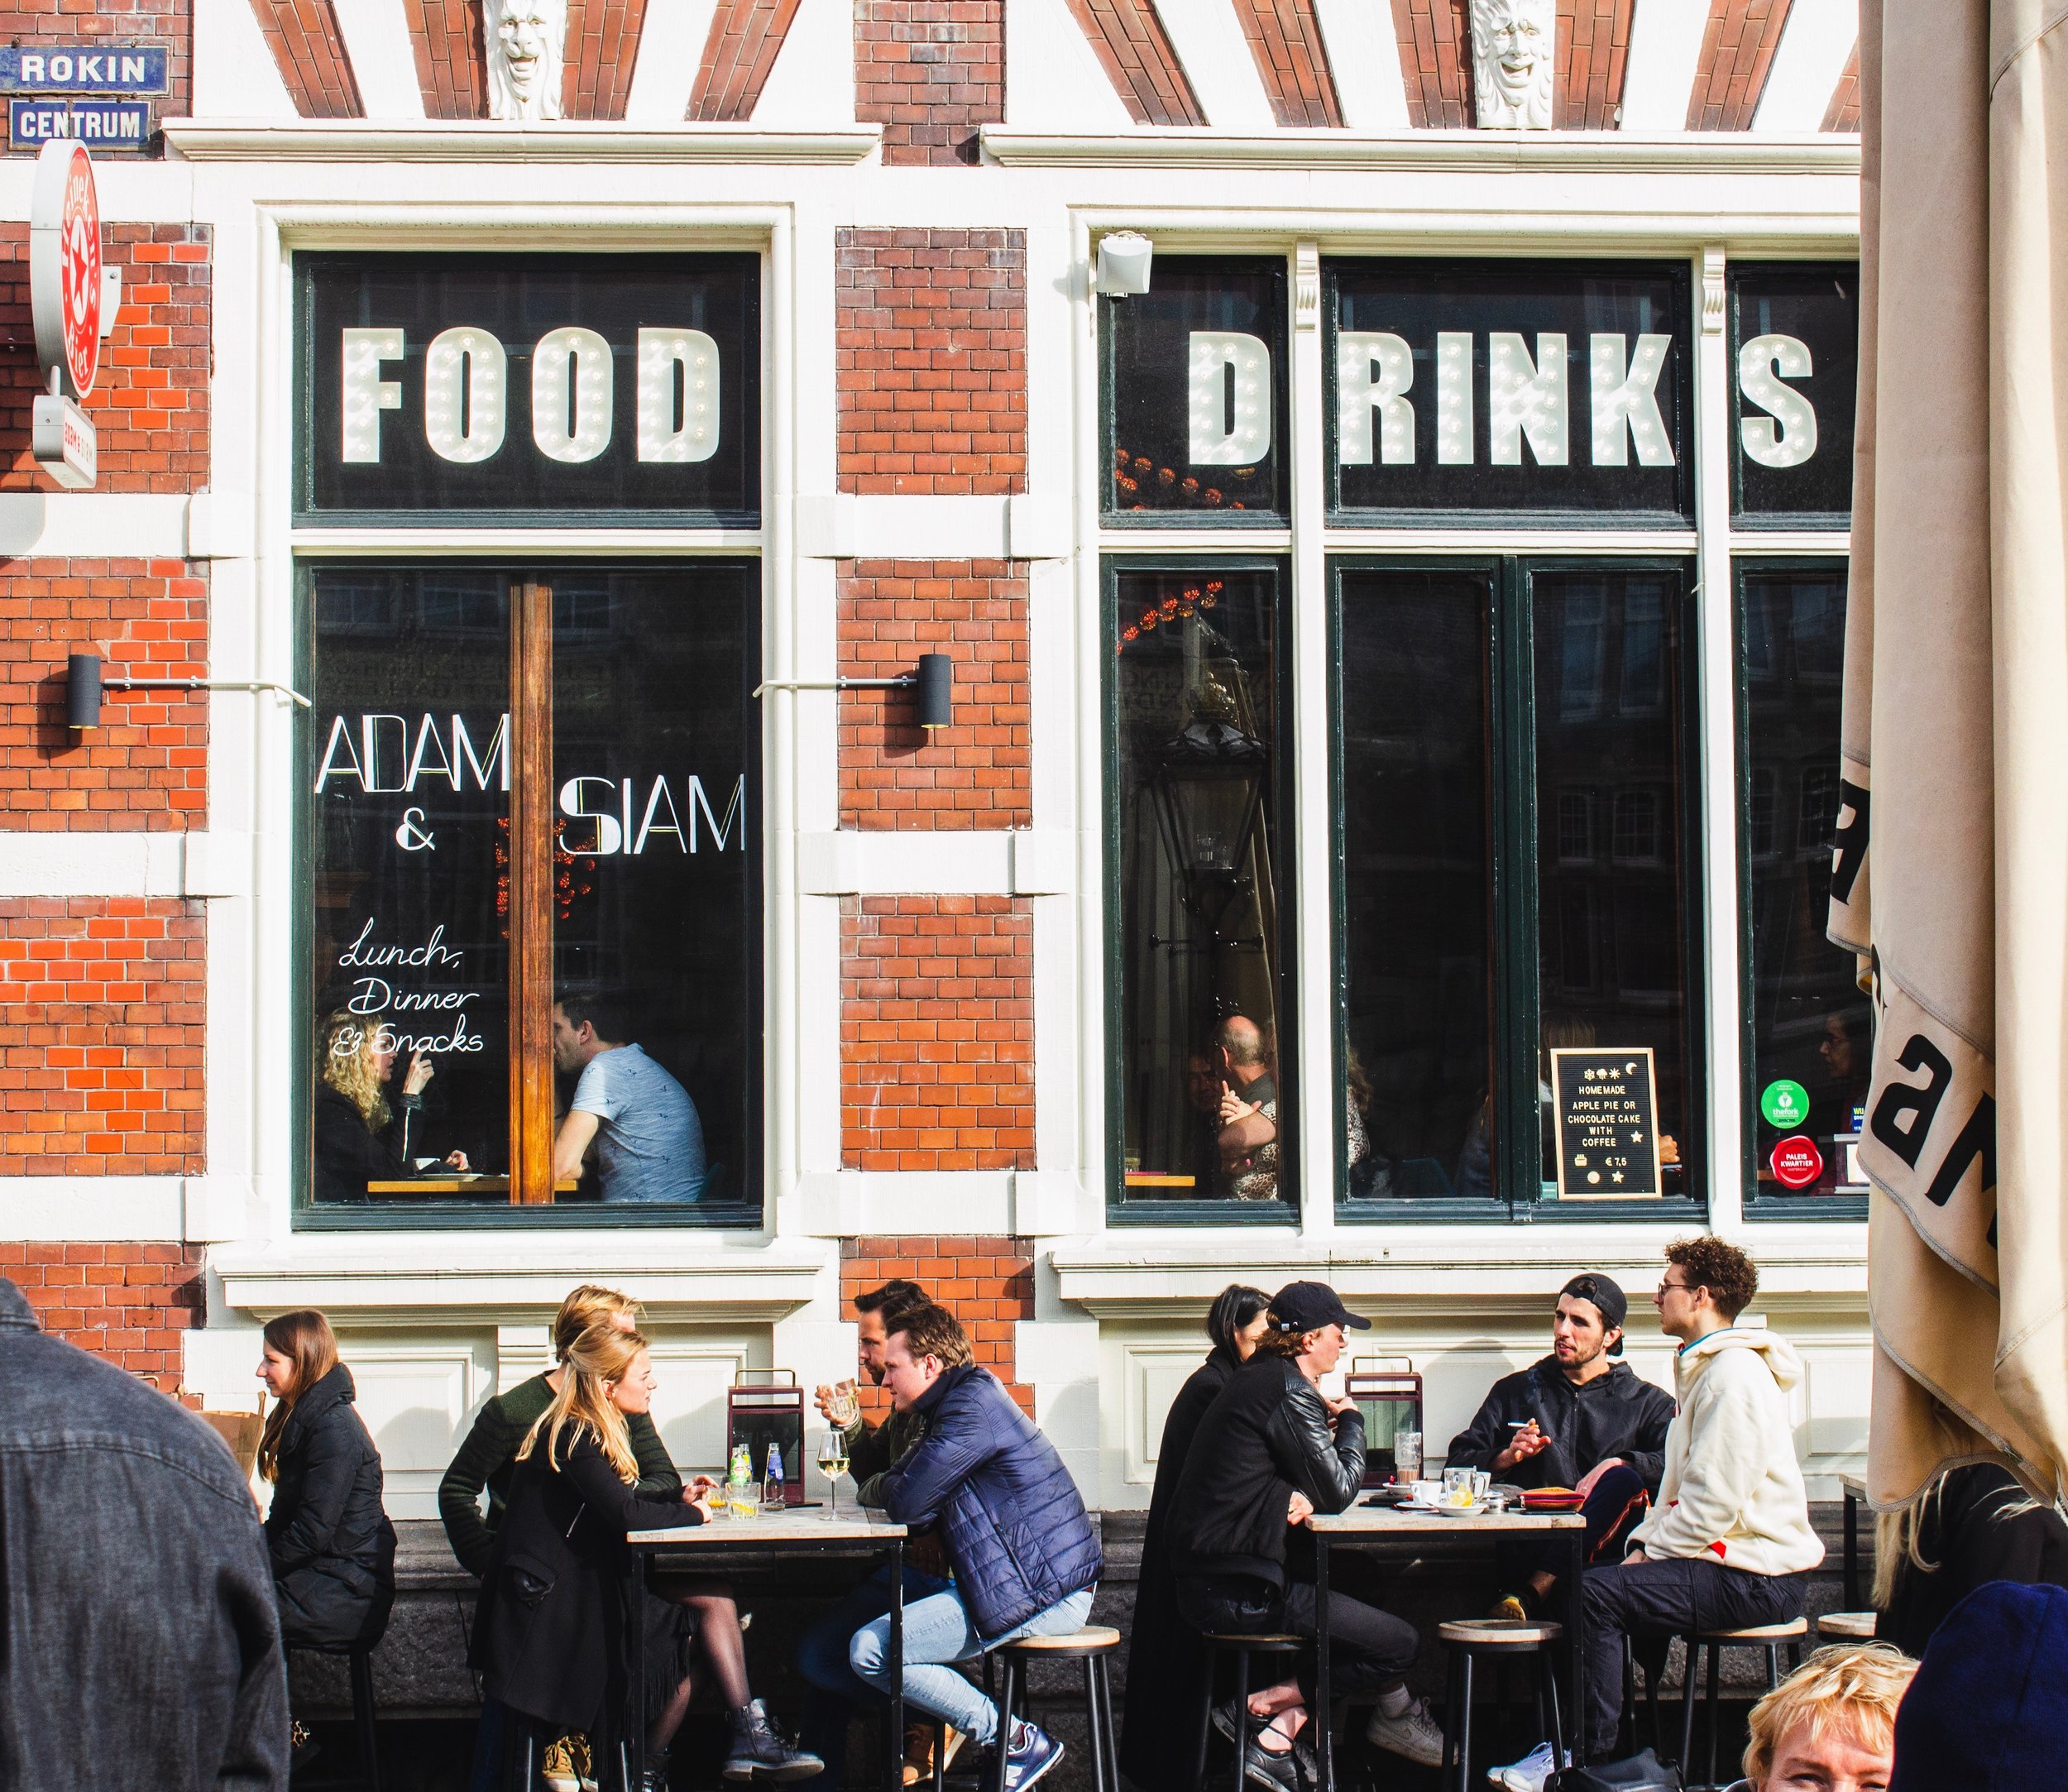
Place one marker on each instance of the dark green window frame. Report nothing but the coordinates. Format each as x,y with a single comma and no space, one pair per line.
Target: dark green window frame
1518,1192
1762,1206
305,1215
1120,1211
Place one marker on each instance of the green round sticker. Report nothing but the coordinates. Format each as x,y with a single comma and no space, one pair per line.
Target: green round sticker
1785,1104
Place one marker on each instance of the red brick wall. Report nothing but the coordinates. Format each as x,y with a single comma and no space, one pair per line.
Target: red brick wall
127,1302
936,1032
1843,112
150,404
1737,51
308,49
101,1014
1135,50
602,44
930,72
146,767
1593,46
1436,62
974,775
930,360
452,68
746,36
170,22
986,1283
1285,42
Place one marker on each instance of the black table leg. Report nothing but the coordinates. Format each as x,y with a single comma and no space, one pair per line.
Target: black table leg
1324,1714
1576,1640
894,1776
635,1699
1852,1551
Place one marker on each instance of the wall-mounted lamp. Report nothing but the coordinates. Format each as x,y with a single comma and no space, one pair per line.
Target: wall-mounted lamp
1124,264
84,682
933,682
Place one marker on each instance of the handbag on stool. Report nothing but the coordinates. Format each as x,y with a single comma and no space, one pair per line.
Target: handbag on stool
1641,1772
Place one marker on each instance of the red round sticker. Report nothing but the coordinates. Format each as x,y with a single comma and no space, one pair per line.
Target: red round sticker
1796,1161
64,264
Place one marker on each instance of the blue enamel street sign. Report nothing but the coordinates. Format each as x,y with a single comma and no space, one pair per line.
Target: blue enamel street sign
82,69
100,124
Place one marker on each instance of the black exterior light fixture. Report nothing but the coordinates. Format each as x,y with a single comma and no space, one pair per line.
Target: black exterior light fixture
1207,782
84,680
933,683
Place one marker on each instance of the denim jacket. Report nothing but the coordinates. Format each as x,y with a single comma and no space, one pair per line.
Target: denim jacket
141,1645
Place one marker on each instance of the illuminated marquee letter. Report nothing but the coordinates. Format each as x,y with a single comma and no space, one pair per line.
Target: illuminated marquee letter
1225,433
363,395
660,437
1626,400
1374,370
1526,399
1454,423
465,374
1788,436
571,395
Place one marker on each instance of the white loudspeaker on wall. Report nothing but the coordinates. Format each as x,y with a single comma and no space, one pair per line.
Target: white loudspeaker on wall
1123,263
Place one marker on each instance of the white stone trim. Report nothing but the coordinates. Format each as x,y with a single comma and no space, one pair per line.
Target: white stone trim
1364,55
1658,74
1462,151
470,140
90,1208
1054,80
97,525
905,1203
129,863
813,79
1209,43
671,50
1816,44
234,73
376,35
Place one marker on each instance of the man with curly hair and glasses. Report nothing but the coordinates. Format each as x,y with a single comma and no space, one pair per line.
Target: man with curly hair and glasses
1729,1542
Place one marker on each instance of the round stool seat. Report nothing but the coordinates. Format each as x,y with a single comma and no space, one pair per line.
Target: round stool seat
1757,1633
1848,1627
1263,1642
1093,1639
1517,1633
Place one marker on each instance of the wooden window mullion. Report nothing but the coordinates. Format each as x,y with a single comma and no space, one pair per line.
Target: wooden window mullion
530,893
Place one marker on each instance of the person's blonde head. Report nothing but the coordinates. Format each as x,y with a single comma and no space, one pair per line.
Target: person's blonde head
348,1067
1851,1689
589,1305
595,1363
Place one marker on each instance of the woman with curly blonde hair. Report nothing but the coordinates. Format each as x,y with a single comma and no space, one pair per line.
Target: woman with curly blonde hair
359,1136
1829,1726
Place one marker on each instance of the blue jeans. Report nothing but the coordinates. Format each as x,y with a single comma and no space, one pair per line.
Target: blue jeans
938,1632
823,1661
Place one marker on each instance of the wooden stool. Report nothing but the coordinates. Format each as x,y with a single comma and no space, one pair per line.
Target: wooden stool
1767,1636
1092,1645
359,1661
1468,1640
1242,1647
1847,1626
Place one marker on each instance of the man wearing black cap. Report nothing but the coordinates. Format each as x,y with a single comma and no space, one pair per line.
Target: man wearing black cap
1577,1413
1271,1450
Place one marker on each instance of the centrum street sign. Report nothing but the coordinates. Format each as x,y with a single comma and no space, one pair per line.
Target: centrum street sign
65,303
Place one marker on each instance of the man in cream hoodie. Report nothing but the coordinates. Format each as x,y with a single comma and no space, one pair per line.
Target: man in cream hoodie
1729,1543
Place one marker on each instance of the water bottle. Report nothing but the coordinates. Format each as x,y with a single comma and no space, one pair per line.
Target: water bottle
772,1487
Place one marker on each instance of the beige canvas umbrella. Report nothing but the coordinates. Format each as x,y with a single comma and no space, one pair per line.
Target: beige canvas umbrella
1951,874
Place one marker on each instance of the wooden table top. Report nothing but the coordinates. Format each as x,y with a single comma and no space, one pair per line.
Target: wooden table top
455,1184
809,1525
1854,1484
1390,1522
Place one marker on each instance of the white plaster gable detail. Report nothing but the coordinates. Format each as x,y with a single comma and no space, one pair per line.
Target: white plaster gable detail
234,74
1210,43
1054,80
811,86
1515,63
526,42
376,35
1665,50
671,48
1364,53
1816,44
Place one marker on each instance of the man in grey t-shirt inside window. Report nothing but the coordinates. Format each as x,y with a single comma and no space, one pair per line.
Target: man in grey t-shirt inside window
648,1139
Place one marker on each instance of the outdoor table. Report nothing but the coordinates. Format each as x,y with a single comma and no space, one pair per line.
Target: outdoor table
727,1546
1854,1490
1362,1526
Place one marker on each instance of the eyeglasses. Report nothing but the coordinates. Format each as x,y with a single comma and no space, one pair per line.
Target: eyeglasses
1667,1287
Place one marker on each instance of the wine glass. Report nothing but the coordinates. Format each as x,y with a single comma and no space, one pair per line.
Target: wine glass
833,1462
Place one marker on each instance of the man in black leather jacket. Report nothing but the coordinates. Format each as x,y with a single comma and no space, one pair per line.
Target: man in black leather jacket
1271,1450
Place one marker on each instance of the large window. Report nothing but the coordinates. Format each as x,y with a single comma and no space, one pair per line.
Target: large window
533,862
1201,1102
1509,714
1808,1026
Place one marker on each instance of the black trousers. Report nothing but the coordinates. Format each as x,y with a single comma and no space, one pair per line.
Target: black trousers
1370,1650
1653,1601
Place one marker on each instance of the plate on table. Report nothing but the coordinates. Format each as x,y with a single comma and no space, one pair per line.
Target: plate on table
1551,1499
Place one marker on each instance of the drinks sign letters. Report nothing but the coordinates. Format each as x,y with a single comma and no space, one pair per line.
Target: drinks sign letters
528,389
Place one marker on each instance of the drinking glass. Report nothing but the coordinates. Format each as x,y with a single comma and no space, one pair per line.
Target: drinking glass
746,1501
1458,1487
833,1463
845,1407
1407,1457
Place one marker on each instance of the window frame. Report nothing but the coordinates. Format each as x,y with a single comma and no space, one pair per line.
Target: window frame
1119,1209
1515,1022
1763,1209
751,1214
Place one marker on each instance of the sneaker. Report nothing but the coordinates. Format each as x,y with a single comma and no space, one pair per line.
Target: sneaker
919,1738
557,1771
1279,1773
653,1776
1529,1774
1413,1734
1029,1755
1509,1608
759,1753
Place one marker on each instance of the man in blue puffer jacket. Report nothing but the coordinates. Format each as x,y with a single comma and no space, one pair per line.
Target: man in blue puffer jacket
1025,1558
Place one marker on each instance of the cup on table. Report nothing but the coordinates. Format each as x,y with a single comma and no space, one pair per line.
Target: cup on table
746,1501
1460,1487
1482,1484
1407,1456
1428,1493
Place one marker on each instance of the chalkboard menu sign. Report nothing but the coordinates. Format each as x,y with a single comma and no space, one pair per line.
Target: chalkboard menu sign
1607,1116
528,389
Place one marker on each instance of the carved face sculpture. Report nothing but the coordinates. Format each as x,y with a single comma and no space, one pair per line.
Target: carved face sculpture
524,39
1514,59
